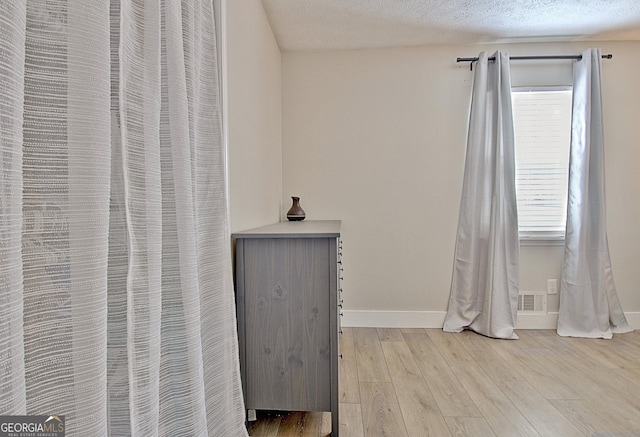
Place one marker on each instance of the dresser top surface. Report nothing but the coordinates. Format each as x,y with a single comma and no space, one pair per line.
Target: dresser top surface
294,229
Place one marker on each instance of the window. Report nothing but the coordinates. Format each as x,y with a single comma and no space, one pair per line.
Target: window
542,122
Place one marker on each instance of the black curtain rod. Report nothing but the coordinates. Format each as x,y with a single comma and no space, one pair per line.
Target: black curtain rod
529,58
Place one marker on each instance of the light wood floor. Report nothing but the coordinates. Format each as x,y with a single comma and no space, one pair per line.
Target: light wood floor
424,382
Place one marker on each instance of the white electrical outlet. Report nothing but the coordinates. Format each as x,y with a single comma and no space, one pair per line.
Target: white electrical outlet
552,286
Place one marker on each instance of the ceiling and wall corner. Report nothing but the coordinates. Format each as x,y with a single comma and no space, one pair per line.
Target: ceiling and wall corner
300,25
255,123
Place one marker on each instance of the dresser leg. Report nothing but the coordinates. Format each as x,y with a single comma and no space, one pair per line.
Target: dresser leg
335,424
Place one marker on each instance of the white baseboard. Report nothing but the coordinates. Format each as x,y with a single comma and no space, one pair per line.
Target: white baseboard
393,319
537,321
435,319
633,319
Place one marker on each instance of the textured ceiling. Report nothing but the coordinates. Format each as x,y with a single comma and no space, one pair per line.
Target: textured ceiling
352,24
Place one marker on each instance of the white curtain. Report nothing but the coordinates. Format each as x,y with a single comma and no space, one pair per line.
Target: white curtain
116,296
484,289
589,305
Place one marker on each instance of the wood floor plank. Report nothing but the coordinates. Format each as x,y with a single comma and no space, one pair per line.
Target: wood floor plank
553,343
292,424
537,375
631,341
595,383
532,346
449,347
420,411
414,330
607,382
619,390
479,348
314,423
608,353
266,425
310,423
632,375
348,389
325,430
381,415
562,367
469,427
351,420
451,397
592,417
370,359
389,334
499,412
558,356
544,417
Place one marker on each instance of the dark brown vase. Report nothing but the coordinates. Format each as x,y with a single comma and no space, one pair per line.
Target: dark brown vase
295,213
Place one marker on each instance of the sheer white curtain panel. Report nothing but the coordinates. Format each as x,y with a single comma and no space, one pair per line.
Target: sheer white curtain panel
589,305
485,283
116,295
12,54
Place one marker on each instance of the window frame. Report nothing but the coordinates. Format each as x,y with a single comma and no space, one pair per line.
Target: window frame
543,238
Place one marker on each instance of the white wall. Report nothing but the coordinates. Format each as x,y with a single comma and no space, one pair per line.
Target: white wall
377,138
255,136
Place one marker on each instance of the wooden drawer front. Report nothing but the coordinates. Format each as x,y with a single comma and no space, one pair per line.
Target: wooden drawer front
288,353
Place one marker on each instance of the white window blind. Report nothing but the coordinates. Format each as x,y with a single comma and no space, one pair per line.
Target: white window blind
542,121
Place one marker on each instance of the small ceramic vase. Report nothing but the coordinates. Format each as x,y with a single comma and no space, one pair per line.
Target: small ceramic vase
295,213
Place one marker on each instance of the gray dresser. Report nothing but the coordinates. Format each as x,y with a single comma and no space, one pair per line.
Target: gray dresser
287,296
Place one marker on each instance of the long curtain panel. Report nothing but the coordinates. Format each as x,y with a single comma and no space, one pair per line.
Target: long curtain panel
589,305
116,298
12,52
485,282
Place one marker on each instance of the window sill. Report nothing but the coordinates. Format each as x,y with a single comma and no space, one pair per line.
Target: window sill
541,240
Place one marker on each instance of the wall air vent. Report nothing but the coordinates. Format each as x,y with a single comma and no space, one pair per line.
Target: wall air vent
532,302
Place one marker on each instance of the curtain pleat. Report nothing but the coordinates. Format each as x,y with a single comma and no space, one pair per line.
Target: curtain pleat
589,305
485,283
116,306
65,203
89,154
139,114
12,50
212,227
